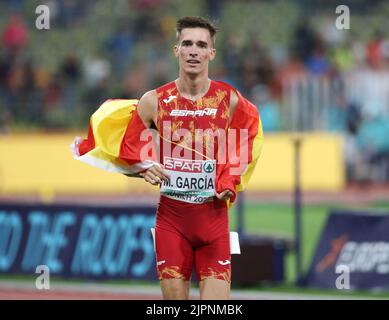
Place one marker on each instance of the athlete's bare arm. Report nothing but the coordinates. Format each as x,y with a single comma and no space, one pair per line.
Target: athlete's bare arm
233,103
147,109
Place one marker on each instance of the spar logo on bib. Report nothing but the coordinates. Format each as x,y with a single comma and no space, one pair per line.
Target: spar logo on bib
209,166
183,165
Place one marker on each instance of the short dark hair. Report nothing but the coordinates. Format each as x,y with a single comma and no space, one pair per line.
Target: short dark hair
196,22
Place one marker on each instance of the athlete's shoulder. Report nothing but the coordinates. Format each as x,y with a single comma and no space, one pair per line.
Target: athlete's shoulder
149,97
236,100
232,92
147,107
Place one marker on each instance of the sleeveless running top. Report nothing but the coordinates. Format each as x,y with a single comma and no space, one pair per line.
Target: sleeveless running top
192,140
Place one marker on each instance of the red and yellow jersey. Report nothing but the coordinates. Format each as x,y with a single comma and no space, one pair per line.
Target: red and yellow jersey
200,132
192,125
190,133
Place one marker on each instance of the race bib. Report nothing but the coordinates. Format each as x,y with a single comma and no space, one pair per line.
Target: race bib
191,181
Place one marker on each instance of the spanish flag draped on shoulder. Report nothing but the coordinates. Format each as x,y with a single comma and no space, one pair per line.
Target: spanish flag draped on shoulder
118,141
242,159
114,139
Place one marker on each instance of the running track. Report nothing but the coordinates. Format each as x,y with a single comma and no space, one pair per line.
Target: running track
26,291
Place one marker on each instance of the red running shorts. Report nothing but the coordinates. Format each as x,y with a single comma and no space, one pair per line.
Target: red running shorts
191,236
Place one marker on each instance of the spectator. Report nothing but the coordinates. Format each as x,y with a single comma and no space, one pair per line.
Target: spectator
267,107
317,63
304,40
232,57
120,46
96,69
16,5
374,52
15,35
70,75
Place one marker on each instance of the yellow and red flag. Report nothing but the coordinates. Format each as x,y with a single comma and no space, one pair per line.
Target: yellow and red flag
115,143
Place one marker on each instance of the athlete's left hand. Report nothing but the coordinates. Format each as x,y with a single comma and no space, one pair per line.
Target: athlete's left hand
225,195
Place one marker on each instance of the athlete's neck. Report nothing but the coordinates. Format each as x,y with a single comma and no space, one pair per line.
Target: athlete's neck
193,88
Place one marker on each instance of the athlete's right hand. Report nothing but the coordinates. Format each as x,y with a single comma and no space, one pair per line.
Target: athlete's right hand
225,195
154,175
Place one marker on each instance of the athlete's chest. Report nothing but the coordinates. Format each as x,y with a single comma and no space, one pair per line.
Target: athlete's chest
209,112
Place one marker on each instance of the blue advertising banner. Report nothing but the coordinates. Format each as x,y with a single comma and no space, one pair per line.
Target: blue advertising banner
78,241
353,252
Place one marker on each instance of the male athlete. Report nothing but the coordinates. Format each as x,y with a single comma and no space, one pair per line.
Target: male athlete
187,232
197,167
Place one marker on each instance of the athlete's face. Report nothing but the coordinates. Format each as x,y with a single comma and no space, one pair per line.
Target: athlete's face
194,50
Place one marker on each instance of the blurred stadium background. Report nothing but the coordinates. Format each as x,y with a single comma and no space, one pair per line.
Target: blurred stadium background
328,87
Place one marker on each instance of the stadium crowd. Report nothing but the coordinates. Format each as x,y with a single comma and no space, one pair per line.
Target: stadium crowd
344,75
